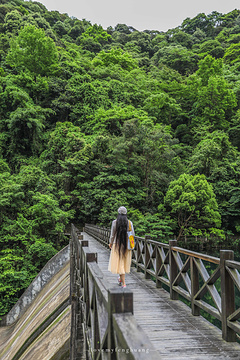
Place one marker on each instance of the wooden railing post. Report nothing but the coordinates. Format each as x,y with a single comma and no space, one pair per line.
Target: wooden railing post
147,256
119,301
83,243
138,252
227,294
90,257
173,269
158,266
194,286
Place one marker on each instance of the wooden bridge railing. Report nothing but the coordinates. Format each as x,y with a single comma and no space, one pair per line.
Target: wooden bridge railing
102,322
210,284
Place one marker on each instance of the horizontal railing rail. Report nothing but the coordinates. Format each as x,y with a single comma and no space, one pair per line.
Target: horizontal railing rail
101,316
208,283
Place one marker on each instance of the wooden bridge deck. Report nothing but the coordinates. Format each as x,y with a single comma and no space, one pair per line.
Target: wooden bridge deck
174,332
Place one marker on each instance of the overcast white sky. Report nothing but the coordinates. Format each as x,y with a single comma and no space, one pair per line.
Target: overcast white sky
141,14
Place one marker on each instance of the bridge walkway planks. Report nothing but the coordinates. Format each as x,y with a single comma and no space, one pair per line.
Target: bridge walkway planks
174,332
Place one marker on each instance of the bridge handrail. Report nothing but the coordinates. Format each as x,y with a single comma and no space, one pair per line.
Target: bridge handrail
188,274
99,313
209,258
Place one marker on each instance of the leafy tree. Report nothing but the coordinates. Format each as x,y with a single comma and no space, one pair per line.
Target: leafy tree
234,38
65,141
208,67
182,38
48,217
12,21
4,9
112,120
143,40
198,36
215,100
218,160
210,153
163,107
212,47
22,122
234,130
33,51
123,28
177,57
28,213
78,28
232,53
206,23
88,97
159,40
93,38
159,225
115,56
192,203
228,20
53,17
11,196
223,36
61,28
215,103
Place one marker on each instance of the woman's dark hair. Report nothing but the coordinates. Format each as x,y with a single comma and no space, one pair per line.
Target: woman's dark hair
121,233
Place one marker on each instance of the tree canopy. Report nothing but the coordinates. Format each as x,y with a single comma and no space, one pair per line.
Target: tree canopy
93,118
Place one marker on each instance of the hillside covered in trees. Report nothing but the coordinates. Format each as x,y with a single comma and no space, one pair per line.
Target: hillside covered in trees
93,118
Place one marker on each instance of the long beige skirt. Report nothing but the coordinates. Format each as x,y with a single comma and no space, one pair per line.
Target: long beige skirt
119,265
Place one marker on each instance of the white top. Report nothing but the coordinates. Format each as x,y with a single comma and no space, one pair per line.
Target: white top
112,239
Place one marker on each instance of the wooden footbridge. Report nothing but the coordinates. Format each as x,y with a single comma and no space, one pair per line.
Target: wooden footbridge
84,314
144,321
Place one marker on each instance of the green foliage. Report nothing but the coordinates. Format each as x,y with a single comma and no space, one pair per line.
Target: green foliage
211,47
34,51
112,120
160,226
91,119
115,57
12,21
47,215
177,57
163,107
183,39
96,33
192,203
232,53
93,38
218,160
28,218
210,153
208,67
215,100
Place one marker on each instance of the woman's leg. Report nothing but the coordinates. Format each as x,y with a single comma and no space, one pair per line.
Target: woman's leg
122,278
119,280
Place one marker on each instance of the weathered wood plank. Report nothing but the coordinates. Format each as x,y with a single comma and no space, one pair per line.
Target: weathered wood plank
124,327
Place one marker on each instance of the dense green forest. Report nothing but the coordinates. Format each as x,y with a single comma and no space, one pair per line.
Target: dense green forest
93,118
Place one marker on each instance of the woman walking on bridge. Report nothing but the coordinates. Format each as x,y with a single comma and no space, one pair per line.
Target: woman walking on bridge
120,257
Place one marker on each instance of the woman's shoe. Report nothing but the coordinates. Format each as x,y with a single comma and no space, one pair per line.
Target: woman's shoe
123,286
119,281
